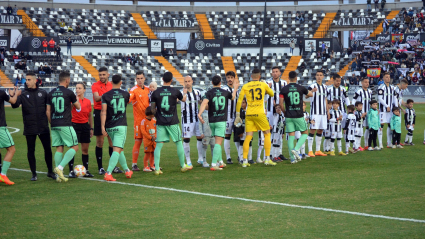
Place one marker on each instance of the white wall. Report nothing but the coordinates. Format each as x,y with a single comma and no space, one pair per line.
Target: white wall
80,50
228,51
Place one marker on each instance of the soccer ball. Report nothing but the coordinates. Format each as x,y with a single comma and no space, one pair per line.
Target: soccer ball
80,170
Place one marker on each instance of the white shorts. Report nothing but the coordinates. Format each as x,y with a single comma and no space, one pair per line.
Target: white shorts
385,117
260,138
229,125
320,122
344,117
336,135
297,134
270,118
327,133
358,132
350,137
191,129
276,139
365,124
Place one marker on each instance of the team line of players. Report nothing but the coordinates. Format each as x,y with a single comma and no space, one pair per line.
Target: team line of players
224,118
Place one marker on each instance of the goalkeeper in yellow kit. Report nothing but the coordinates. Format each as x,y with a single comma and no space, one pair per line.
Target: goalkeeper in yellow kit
255,118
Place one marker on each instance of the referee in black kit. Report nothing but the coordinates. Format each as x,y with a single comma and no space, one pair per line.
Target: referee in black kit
33,101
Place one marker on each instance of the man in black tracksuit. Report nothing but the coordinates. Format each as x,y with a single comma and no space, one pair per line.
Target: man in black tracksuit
33,102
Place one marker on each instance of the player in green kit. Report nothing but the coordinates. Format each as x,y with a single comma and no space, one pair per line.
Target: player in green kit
292,94
113,118
217,100
164,107
58,112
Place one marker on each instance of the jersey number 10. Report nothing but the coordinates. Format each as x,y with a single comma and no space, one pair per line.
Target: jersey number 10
59,104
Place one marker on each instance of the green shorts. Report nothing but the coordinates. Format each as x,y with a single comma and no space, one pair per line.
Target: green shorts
218,129
118,135
296,124
164,132
6,140
64,135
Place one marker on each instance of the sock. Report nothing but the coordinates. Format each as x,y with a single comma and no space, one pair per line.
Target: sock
318,141
389,135
123,161
186,147
67,157
347,146
246,146
85,159
291,146
356,144
410,138
267,144
240,152
260,148
204,152
280,148
332,145
157,154
136,149
250,153
338,142
380,137
227,147
217,153
325,144
145,160
310,142
111,150
180,153
71,164
151,159
302,148
212,150
366,138
5,167
301,143
113,161
99,155
407,138
200,148
58,158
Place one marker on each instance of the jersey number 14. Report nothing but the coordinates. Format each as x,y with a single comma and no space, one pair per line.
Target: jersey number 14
118,107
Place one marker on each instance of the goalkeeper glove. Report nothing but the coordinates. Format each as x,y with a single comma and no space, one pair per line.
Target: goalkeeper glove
238,120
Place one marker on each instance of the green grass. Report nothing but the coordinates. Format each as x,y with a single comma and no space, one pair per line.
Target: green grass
389,182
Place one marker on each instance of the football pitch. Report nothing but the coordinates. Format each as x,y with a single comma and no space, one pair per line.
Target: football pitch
379,194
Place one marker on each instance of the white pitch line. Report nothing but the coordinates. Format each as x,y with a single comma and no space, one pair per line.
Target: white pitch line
249,200
16,130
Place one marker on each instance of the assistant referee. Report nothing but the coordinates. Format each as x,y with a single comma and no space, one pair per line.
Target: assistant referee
83,125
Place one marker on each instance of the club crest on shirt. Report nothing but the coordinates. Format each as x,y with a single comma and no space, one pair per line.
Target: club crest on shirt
39,94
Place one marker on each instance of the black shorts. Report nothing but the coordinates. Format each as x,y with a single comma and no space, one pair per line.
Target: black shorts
97,124
83,132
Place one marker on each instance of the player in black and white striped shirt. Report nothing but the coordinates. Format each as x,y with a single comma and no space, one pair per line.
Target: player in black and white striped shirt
231,114
190,123
398,90
275,83
364,95
318,114
338,92
409,121
335,126
386,96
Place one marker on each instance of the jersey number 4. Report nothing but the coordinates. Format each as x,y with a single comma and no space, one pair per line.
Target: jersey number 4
118,107
164,103
259,94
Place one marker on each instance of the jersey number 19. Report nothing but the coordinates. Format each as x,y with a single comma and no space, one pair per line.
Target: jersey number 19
219,102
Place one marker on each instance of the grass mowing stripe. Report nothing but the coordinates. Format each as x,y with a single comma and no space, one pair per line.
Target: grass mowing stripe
249,200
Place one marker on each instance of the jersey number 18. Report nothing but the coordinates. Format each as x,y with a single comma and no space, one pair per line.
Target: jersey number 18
294,97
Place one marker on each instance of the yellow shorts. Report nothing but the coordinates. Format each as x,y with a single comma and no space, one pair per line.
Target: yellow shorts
256,122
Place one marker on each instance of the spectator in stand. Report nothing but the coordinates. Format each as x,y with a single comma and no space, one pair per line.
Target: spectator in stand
332,54
323,46
41,70
20,66
69,46
86,29
58,52
70,29
410,13
326,53
39,81
62,26
354,46
299,17
383,3
349,51
376,4
164,53
19,81
47,69
354,66
302,67
301,47
2,58
9,10
369,6
15,58
78,29
28,57
415,77
385,25
292,46
45,43
52,44
15,11
353,79
21,55
380,82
